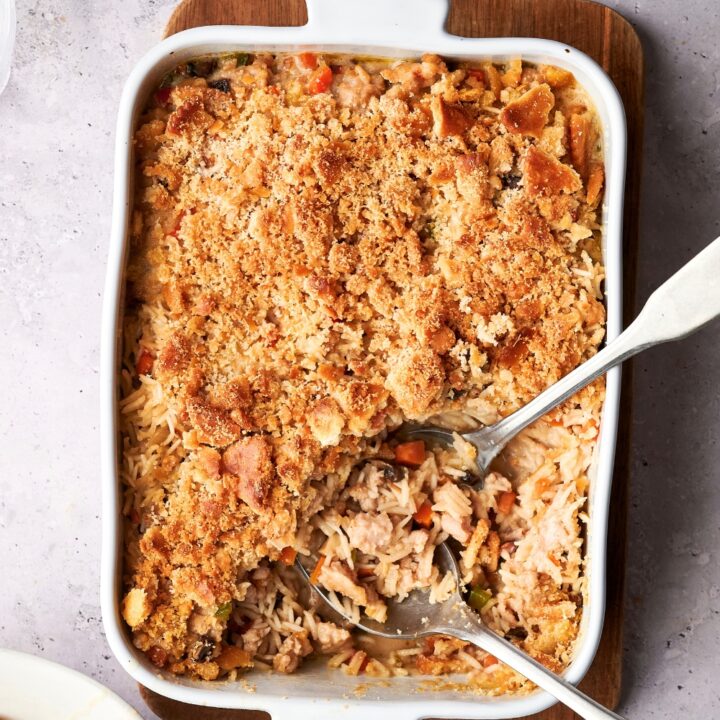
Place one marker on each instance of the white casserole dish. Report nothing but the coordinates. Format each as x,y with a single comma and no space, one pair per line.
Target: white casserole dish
403,28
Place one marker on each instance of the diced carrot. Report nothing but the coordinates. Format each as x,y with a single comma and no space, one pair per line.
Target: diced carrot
162,95
315,576
505,502
144,364
287,555
489,660
410,453
307,60
320,80
423,516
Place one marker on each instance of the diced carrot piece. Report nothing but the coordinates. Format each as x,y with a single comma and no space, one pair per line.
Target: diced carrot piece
410,453
162,95
307,60
320,80
489,660
287,555
315,576
423,516
505,502
144,364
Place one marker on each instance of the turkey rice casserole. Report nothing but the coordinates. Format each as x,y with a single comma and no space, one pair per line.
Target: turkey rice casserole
323,247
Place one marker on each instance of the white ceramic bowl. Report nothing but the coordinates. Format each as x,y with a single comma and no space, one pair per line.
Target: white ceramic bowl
66,694
402,28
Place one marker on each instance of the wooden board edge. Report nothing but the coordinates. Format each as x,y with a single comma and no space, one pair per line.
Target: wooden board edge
293,14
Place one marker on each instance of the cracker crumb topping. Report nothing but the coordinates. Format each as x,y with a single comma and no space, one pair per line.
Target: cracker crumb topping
319,252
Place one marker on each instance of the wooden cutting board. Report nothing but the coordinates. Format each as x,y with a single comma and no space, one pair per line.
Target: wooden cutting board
608,38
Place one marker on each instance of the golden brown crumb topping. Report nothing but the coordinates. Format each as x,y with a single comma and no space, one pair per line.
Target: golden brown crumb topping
320,249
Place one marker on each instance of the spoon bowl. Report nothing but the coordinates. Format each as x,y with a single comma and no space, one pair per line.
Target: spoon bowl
414,617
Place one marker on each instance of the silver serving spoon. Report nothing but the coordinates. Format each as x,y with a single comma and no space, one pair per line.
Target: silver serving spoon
415,618
680,306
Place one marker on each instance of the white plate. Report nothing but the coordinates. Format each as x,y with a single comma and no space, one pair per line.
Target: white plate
32,688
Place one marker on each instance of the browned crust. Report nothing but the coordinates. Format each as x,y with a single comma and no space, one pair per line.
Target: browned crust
307,268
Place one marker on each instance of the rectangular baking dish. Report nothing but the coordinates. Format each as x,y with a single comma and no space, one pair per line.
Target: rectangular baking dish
402,28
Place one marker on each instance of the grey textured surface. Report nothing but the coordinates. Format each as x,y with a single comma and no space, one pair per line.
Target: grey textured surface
56,135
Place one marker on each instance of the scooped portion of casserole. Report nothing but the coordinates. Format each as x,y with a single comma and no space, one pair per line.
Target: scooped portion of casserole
323,247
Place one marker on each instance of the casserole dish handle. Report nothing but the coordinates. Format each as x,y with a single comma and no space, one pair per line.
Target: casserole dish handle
363,17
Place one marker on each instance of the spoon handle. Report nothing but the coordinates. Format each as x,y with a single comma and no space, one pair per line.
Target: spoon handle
682,304
471,629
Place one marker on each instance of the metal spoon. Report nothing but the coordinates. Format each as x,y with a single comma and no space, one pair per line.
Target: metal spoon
680,306
415,618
